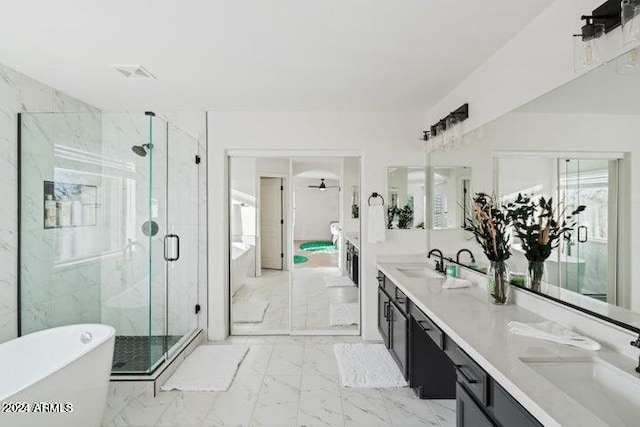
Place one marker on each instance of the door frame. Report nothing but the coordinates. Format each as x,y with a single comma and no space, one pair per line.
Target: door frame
284,230
288,218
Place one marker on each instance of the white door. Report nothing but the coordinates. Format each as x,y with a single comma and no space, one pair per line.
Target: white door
271,223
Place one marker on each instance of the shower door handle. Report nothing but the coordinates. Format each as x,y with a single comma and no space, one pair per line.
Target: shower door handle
583,234
171,241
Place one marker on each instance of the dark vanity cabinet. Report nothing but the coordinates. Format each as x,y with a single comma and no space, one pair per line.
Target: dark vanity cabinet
432,374
383,316
437,368
352,262
480,400
393,321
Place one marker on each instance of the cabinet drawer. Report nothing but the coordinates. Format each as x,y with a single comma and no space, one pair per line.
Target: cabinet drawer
382,280
470,375
401,300
428,326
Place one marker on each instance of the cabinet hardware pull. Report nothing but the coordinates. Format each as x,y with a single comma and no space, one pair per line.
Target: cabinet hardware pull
422,324
386,310
465,376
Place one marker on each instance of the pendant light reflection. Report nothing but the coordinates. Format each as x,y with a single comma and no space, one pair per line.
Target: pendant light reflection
629,63
587,46
630,21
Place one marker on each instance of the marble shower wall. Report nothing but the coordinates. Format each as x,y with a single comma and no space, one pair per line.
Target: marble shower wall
61,266
19,93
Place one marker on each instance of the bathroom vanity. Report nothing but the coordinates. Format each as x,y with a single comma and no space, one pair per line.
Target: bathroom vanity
499,378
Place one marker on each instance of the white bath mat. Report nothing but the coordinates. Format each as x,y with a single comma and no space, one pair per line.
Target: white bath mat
367,365
208,368
344,314
249,311
337,281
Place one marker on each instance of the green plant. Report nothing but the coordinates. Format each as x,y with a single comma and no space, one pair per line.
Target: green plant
392,211
405,217
538,227
489,222
421,225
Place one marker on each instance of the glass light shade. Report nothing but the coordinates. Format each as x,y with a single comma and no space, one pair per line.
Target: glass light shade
587,53
629,63
630,21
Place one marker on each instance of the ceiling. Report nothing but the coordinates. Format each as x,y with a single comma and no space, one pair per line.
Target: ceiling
400,55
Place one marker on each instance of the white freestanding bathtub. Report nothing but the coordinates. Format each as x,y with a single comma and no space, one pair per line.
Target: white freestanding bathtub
242,261
56,377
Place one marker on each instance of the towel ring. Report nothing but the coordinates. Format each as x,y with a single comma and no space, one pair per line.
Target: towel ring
374,195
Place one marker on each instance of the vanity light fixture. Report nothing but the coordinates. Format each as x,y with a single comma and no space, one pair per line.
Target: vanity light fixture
446,132
588,45
629,63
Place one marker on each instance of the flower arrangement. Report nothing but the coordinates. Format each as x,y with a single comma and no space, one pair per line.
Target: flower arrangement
540,228
489,223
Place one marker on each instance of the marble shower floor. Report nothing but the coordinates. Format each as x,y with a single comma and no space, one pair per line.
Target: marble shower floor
283,381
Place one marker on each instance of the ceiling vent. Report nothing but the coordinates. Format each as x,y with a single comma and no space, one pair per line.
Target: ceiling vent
134,71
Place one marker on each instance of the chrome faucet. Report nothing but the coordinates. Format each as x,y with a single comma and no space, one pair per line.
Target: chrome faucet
439,264
473,259
636,343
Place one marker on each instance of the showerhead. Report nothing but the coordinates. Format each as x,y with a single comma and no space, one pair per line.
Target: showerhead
140,149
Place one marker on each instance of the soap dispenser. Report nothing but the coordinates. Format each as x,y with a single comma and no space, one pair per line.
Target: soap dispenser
49,212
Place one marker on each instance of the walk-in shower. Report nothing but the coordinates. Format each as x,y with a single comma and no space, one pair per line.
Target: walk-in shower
108,235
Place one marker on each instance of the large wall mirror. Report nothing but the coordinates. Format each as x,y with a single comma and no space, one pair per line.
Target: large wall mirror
294,245
450,187
574,144
406,192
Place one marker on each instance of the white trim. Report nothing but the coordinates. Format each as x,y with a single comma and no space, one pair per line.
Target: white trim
290,154
561,154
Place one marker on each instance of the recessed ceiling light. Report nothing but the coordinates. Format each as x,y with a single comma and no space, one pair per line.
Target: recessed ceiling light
132,71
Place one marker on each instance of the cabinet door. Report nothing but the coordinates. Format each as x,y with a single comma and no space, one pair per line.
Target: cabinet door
399,329
383,310
468,413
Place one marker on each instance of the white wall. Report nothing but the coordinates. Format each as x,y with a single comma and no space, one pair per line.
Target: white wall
314,209
383,139
535,61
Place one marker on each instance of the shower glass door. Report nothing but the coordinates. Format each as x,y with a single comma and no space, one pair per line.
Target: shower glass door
108,230
587,266
181,261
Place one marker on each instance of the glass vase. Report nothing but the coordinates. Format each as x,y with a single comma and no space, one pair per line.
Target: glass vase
498,279
535,276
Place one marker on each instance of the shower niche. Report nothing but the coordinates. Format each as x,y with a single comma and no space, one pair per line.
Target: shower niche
89,185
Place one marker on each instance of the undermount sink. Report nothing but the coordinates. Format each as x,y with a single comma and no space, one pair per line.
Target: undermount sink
421,272
608,392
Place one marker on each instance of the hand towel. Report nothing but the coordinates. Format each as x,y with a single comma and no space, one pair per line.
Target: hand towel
551,331
454,283
377,227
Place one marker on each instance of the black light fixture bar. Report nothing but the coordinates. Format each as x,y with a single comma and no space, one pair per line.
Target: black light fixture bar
608,14
460,114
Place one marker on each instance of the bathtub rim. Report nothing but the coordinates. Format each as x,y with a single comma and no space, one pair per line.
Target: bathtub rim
83,350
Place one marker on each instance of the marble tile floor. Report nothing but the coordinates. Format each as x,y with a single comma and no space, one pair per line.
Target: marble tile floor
311,300
272,286
283,381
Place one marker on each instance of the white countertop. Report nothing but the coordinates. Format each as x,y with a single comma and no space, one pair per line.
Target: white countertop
480,329
354,239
